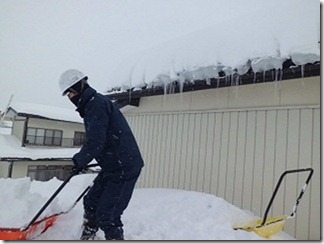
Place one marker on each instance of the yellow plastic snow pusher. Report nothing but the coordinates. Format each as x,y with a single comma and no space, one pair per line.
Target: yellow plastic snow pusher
267,227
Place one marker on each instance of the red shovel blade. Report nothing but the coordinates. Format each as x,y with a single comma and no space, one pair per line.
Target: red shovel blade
10,234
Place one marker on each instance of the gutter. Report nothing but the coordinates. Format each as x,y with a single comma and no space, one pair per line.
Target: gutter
25,132
10,169
9,159
11,162
288,72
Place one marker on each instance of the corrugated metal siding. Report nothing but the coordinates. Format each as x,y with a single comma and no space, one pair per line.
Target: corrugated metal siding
238,155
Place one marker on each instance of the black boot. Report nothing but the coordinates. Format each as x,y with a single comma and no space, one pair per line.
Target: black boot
89,230
117,238
115,233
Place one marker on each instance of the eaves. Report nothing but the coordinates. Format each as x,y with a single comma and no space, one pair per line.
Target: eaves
288,72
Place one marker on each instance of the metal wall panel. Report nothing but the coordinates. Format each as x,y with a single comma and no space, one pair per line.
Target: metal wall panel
238,155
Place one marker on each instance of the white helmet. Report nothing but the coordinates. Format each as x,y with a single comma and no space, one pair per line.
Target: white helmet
69,78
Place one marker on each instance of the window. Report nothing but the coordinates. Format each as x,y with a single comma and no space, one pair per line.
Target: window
37,136
57,139
49,134
40,136
79,138
31,136
47,172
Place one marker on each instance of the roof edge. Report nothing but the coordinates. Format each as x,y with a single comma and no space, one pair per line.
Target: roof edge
290,72
16,159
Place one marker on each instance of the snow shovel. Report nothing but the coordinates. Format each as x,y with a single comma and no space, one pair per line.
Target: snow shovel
37,227
267,227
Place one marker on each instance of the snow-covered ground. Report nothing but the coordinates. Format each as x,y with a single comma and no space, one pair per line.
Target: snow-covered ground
153,214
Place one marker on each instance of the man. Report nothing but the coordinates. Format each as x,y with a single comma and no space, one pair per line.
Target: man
112,144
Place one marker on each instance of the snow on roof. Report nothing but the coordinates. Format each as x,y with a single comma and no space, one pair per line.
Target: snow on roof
261,39
50,112
11,148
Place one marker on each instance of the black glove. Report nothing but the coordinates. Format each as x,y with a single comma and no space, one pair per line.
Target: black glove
76,169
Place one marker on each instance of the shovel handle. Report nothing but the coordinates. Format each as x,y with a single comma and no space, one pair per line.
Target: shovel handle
311,171
53,196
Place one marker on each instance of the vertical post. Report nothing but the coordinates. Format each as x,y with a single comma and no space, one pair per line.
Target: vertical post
24,138
10,169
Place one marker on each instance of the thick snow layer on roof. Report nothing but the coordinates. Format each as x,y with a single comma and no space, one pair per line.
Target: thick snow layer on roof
261,38
50,112
10,147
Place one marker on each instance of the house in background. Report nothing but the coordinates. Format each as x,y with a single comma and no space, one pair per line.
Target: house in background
42,141
46,126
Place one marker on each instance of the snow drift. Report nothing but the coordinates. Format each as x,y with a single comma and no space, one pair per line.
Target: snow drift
153,214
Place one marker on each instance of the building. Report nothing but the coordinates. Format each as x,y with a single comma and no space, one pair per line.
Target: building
234,141
42,141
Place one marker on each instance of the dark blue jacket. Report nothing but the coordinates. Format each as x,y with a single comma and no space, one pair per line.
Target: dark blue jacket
109,138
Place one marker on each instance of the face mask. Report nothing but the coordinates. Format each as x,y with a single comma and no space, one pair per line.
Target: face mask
75,100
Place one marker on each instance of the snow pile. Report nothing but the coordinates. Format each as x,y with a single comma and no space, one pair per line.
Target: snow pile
153,214
21,200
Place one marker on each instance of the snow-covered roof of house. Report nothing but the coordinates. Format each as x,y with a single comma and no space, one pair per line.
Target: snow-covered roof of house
11,149
44,111
255,40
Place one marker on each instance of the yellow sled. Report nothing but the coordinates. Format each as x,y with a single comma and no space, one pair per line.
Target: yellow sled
267,227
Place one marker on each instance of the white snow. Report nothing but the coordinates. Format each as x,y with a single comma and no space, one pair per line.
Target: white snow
266,34
262,35
11,147
5,127
153,214
50,112
228,32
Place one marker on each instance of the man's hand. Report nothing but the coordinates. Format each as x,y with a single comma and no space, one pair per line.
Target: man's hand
76,169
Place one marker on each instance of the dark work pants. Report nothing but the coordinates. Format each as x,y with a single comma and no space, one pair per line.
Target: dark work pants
107,199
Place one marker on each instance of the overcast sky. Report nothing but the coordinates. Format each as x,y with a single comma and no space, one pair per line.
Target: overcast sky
39,39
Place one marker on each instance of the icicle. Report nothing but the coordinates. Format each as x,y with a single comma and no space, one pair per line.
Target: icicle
237,79
278,82
302,70
171,86
181,86
276,75
165,94
236,83
165,88
208,81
